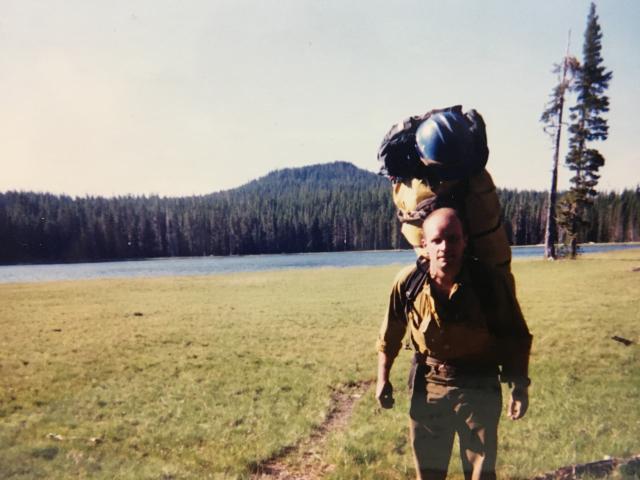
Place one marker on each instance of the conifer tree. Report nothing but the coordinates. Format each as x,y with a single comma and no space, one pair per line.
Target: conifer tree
588,125
552,119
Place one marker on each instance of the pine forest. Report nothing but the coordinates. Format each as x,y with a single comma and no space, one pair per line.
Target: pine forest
328,207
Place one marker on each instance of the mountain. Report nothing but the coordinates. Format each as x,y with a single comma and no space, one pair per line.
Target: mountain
327,175
325,207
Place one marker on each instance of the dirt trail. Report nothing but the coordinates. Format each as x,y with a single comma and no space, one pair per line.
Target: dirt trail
304,461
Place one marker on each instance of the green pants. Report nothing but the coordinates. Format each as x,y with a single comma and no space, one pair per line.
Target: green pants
442,407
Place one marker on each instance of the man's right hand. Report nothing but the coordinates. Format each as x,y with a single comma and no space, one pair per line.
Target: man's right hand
384,394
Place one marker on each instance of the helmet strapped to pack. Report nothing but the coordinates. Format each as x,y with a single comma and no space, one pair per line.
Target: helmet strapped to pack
447,143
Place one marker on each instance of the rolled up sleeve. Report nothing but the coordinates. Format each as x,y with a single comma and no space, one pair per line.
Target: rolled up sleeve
394,325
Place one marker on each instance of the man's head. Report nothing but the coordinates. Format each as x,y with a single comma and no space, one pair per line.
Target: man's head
444,241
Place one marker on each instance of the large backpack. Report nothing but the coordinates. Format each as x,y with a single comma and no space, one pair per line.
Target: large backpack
417,189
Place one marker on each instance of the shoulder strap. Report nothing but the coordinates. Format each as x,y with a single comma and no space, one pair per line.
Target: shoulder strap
415,281
413,286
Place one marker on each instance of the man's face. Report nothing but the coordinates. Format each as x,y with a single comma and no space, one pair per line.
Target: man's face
445,242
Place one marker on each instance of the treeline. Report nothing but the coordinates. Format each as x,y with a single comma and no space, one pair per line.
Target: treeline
331,207
615,217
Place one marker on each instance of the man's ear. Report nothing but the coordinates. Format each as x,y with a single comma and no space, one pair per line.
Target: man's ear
423,242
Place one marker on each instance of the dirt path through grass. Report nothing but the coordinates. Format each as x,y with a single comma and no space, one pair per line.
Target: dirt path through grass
304,461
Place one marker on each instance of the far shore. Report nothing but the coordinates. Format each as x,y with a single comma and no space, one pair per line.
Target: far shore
117,260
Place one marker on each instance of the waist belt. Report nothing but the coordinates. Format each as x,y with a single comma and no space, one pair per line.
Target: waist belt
453,368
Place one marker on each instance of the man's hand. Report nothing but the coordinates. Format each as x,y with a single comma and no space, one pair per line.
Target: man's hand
518,403
384,394
384,389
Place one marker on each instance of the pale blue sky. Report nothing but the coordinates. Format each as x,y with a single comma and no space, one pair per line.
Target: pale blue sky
179,98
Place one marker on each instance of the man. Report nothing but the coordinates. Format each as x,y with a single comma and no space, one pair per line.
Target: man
468,333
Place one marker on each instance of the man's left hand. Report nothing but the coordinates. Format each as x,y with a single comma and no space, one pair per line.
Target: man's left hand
384,394
518,403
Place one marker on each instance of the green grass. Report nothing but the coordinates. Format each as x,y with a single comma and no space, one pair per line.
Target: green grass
585,391
202,377
217,373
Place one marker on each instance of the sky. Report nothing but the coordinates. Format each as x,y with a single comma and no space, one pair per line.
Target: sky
187,98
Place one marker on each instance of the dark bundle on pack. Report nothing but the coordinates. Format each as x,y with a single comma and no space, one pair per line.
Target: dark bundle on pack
442,144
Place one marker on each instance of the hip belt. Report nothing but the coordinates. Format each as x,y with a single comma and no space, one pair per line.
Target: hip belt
453,368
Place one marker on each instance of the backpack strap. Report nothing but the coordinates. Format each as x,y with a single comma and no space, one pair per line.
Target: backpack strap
414,284
415,281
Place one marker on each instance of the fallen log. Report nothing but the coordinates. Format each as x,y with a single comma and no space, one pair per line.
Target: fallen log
598,469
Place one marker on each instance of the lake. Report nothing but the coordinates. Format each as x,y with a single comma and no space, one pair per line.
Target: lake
247,263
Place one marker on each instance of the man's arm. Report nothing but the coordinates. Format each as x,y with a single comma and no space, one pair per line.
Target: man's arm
389,342
384,389
516,348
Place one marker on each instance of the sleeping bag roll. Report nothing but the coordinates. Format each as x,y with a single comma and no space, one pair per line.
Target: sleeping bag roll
477,200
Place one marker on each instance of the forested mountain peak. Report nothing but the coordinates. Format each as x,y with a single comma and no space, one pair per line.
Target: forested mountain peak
324,175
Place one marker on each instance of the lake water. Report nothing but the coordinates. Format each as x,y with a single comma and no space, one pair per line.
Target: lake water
248,263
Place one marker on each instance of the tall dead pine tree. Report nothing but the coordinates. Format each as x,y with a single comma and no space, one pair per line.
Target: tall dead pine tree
552,119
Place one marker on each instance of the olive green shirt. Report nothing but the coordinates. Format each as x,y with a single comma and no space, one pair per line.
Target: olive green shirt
477,325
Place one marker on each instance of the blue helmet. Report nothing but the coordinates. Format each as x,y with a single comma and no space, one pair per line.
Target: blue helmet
451,144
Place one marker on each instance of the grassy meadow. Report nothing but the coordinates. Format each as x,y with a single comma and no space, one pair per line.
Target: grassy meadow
203,377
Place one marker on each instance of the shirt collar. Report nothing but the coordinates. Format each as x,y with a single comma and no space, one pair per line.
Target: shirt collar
460,282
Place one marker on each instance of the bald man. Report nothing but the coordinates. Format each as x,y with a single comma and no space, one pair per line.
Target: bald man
468,333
